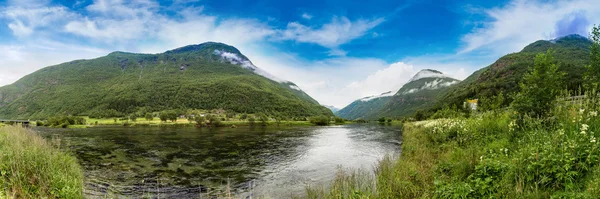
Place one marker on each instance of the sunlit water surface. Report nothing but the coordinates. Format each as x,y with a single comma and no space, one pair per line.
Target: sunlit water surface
135,162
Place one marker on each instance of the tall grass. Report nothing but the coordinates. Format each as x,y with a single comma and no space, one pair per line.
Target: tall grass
495,154
30,167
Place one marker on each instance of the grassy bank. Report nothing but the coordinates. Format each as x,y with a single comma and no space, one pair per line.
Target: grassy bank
30,167
91,122
488,155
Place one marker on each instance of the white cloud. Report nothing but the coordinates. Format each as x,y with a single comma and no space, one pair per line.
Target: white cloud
26,20
307,16
521,22
331,35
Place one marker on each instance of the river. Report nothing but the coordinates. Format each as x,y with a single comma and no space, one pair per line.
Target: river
187,162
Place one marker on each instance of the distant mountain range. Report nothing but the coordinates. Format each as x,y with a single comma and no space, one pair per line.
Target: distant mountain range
419,92
205,76
430,90
332,108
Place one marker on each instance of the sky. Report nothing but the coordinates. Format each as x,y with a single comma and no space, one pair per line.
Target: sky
337,51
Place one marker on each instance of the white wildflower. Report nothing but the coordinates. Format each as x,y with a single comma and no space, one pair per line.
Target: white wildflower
594,113
581,111
593,139
584,127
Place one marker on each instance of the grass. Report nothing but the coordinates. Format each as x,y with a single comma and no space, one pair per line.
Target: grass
30,167
493,154
181,122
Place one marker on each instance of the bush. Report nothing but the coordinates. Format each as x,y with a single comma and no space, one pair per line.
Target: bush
339,120
381,120
64,121
320,120
251,121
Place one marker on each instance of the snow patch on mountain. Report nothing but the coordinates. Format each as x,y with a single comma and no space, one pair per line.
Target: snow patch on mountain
427,74
237,60
435,84
386,94
295,87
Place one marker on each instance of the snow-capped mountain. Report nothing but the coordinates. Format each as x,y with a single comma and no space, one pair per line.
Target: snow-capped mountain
421,89
427,79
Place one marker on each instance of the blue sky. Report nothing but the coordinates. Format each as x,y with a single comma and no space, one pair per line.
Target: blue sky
336,51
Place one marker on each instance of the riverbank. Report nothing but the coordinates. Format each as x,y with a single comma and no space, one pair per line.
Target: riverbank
488,155
94,122
30,167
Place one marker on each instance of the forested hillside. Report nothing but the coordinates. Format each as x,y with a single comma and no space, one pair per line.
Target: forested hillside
205,76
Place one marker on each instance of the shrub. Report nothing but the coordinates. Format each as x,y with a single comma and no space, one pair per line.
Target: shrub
251,121
320,120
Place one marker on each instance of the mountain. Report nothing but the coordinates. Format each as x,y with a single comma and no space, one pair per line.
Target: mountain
421,91
504,75
205,76
364,106
332,108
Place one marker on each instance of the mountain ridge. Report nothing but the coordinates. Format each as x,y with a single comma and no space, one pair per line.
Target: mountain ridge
193,76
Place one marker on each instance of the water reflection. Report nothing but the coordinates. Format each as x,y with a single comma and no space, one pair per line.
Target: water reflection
182,162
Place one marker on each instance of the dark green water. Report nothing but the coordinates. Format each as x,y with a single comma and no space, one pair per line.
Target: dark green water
138,162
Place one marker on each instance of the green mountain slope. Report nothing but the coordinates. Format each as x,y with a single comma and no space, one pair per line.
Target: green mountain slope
204,76
420,92
363,107
504,75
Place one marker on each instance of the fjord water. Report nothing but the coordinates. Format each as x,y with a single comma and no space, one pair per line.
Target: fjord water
172,162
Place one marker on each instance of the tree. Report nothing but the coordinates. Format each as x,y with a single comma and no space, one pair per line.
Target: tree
133,117
163,116
244,116
381,120
320,120
263,119
172,116
148,116
419,115
539,87
199,120
592,75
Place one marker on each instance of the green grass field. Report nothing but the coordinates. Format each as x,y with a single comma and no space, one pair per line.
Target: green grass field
30,167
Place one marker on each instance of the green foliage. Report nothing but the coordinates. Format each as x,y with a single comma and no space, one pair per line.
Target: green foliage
148,116
320,120
133,117
32,168
120,84
448,112
420,115
339,120
492,103
244,116
540,87
64,121
199,120
381,120
592,74
572,53
263,119
213,121
251,120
